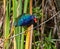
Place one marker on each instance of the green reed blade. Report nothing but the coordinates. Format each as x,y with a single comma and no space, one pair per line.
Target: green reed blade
17,29
6,26
25,6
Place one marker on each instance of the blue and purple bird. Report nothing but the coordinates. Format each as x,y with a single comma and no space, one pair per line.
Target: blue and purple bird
25,20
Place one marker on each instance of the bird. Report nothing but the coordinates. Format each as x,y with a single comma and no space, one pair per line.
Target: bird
25,19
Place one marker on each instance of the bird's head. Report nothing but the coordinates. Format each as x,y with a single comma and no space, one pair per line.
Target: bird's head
35,19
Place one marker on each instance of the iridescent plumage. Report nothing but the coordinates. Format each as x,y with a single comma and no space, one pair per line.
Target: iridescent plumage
24,20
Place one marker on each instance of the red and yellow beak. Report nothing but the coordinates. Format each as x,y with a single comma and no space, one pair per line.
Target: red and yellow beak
35,20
